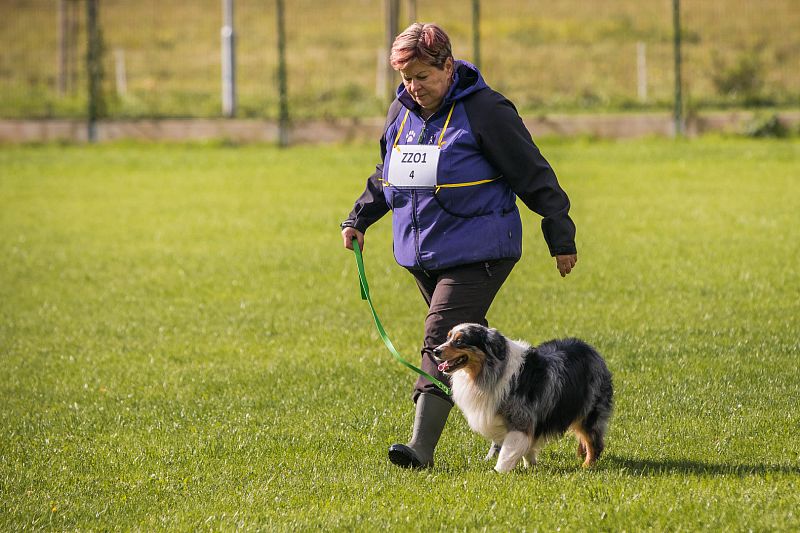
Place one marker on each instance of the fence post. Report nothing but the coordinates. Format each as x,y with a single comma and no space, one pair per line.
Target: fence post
63,40
228,61
120,71
678,111
283,100
73,61
68,13
412,11
641,71
476,33
392,23
94,68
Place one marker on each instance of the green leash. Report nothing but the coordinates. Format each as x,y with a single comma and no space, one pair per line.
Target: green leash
362,278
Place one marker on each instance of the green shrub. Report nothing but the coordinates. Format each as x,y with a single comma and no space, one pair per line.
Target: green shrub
766,126
743,80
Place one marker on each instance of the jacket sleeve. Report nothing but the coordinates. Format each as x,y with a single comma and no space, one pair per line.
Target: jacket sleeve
508,146
371,205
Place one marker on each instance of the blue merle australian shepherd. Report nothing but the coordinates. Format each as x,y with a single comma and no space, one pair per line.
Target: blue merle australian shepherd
519,396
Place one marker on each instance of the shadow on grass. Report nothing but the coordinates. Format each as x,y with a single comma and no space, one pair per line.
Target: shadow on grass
648,467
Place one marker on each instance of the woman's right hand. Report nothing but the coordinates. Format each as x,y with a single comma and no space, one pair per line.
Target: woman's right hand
347,236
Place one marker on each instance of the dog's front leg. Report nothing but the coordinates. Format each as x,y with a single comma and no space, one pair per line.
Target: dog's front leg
515,445
530,458
494,449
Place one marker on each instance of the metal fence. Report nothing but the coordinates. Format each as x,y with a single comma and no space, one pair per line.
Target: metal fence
162,58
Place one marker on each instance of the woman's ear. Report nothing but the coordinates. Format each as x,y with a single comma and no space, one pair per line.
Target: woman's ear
449,68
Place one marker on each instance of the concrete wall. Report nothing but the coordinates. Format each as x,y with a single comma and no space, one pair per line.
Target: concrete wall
349,130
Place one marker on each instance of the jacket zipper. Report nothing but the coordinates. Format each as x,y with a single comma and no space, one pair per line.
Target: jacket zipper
414,222
415,226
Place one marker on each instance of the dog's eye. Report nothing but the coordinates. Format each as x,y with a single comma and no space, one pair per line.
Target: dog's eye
458,342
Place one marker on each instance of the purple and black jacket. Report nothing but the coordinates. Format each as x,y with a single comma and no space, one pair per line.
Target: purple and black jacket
485,139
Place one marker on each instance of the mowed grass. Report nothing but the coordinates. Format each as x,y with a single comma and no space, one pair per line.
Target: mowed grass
183,346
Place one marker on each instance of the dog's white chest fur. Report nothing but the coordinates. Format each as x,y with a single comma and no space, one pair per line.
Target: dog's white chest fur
480,406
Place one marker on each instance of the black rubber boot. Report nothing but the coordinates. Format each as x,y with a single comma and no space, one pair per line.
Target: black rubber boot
429,422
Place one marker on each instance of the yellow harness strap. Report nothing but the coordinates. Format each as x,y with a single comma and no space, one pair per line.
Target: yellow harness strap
446,122
440,143
467,184
400,131
441,137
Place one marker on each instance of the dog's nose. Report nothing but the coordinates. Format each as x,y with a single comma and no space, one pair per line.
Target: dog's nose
437,351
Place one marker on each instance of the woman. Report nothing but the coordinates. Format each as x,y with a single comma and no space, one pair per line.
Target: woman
455,155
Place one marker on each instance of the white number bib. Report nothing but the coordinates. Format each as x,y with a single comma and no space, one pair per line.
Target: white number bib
414,165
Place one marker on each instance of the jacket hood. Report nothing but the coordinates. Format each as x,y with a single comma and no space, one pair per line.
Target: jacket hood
467,80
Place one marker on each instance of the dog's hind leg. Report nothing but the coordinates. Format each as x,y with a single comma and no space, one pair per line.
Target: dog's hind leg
592,433
586,448
594,447
591,442
494,449
597,444
592,430
515,445
581,447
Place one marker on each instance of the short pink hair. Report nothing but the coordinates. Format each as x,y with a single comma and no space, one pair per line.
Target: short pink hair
427,43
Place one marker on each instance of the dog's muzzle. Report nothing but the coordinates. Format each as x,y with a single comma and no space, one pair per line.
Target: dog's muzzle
450,366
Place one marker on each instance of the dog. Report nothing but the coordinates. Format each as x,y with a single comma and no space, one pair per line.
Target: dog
519,396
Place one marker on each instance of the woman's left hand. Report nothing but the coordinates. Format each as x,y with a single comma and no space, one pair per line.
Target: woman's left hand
566,263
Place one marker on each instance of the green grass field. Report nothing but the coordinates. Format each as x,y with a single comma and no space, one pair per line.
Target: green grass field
183,346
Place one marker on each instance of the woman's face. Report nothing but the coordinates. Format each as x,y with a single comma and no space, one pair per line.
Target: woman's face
426,84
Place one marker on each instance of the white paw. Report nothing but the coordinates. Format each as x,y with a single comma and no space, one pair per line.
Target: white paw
494,449
502,469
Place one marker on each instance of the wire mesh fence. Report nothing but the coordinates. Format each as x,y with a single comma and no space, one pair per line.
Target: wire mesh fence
163,58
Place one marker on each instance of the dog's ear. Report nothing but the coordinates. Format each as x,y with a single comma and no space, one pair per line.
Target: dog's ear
496,344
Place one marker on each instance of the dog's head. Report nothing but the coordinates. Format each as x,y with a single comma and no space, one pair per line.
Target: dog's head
470,347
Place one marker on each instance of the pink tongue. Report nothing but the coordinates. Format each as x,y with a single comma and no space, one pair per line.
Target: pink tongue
443,366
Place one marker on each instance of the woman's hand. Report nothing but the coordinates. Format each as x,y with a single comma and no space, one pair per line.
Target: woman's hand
348,234
565,263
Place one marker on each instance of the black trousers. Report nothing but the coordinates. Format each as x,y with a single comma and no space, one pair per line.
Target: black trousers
454,296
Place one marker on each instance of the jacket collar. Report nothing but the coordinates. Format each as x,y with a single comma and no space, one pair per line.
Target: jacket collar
467,80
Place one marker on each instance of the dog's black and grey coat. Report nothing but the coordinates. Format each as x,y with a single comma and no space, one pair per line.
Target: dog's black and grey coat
519,396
